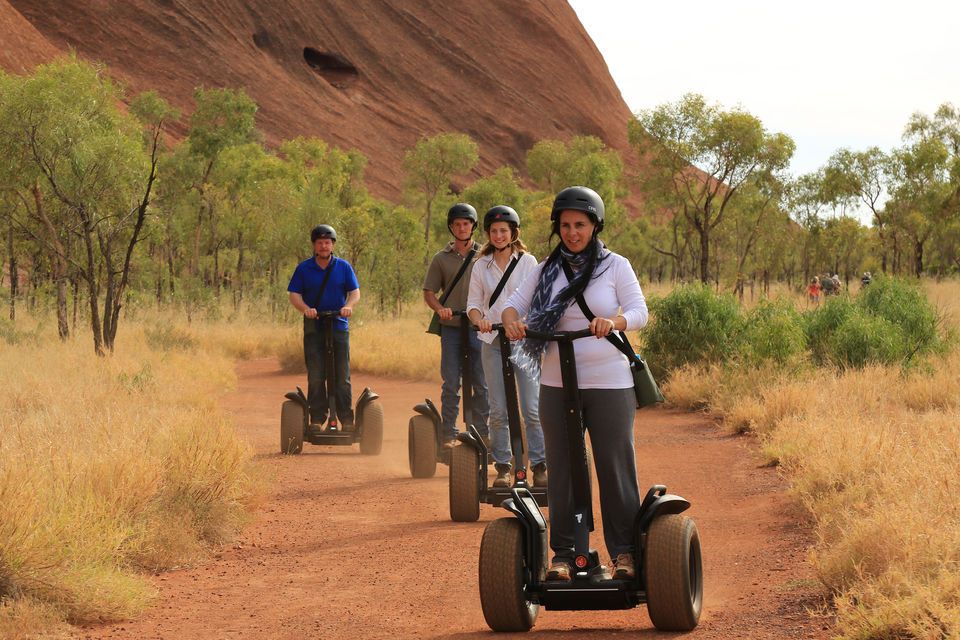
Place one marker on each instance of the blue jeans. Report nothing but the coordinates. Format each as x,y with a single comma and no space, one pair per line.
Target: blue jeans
528,391
317,383
450,373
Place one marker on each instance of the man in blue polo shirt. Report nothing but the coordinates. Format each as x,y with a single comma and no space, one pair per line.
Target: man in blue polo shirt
326,283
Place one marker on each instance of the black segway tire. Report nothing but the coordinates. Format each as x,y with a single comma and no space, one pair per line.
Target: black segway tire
674,573
503,578
422,447
464,484
291,428
371,441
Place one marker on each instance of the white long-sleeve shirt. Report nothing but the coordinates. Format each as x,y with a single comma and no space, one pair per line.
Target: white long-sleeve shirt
484,279
600,365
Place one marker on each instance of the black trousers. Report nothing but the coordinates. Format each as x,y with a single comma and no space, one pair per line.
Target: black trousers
318,384
608,415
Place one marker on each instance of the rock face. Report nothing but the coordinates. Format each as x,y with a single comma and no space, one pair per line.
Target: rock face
365,74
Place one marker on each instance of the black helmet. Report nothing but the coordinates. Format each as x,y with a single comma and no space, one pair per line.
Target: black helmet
323,231
462,210
500,213
582,199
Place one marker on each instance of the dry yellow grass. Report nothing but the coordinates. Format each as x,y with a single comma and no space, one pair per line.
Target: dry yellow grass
394,348
873,455
109,467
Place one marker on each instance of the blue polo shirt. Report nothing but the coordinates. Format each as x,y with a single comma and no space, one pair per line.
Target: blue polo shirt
306,281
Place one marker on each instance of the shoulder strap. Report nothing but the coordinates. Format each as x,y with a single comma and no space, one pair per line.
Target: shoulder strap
456,279
323,283
504,278
619,341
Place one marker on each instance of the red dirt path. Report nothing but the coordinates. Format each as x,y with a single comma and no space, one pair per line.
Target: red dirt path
351,547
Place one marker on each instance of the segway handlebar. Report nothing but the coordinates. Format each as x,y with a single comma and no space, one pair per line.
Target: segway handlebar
559,336
328,314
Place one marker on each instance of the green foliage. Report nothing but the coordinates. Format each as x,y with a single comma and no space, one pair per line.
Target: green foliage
822,323
890,322
503,187
691,325
223,118
773,332
433,163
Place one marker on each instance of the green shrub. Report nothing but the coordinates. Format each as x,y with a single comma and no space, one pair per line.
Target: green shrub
773,332
823,322
865,339
904,304
692,325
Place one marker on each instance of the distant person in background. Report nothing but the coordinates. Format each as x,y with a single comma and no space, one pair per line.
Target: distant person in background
836,284
865,279
814,291
326,283
503,264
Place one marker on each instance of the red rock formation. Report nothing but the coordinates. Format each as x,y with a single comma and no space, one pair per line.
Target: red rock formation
371,75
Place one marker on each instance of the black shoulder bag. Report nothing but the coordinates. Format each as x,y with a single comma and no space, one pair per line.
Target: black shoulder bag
503,279
310,324
644,386
434,327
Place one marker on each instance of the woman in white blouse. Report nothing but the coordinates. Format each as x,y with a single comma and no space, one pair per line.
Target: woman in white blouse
504,252
547,302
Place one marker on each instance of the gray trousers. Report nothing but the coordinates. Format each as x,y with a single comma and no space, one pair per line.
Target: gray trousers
608,415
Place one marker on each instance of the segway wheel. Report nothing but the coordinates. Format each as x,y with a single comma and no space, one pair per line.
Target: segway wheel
503,578
464,484
291,428
422,447
674,573
371,441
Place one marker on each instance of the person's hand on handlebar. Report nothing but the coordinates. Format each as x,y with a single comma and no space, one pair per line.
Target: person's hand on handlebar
445,313
310,313
484,325
516,330
346,312
601,327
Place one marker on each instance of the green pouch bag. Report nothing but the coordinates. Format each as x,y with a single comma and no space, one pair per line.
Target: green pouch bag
644,386
434,326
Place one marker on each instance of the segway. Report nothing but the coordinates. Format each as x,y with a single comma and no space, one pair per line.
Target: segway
469,486
425,430
513,551
295,426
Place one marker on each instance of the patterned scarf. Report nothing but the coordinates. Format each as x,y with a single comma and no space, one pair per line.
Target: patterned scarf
545,312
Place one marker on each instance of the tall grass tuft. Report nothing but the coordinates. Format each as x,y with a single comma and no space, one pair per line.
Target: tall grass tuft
110,467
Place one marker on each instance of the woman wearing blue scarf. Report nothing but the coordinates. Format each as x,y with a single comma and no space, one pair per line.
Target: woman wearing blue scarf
546,302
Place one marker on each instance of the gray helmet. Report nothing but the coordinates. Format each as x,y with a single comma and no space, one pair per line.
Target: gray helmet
323,231
501,213
462,210
582,199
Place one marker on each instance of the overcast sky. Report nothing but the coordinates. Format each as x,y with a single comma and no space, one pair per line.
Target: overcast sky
829,74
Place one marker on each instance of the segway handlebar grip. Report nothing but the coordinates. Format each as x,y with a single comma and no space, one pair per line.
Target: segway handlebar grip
559,336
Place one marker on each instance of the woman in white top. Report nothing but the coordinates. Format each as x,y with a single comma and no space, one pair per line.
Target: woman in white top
503,247
547,301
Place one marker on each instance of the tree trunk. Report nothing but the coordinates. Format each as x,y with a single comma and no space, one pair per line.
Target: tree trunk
92,287
58,263
918,257
704,254
14,271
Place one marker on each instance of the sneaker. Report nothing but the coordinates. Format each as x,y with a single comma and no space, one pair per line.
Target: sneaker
540,474
559,570
624,567
503,476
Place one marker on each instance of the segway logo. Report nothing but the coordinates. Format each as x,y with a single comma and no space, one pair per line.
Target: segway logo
579,518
